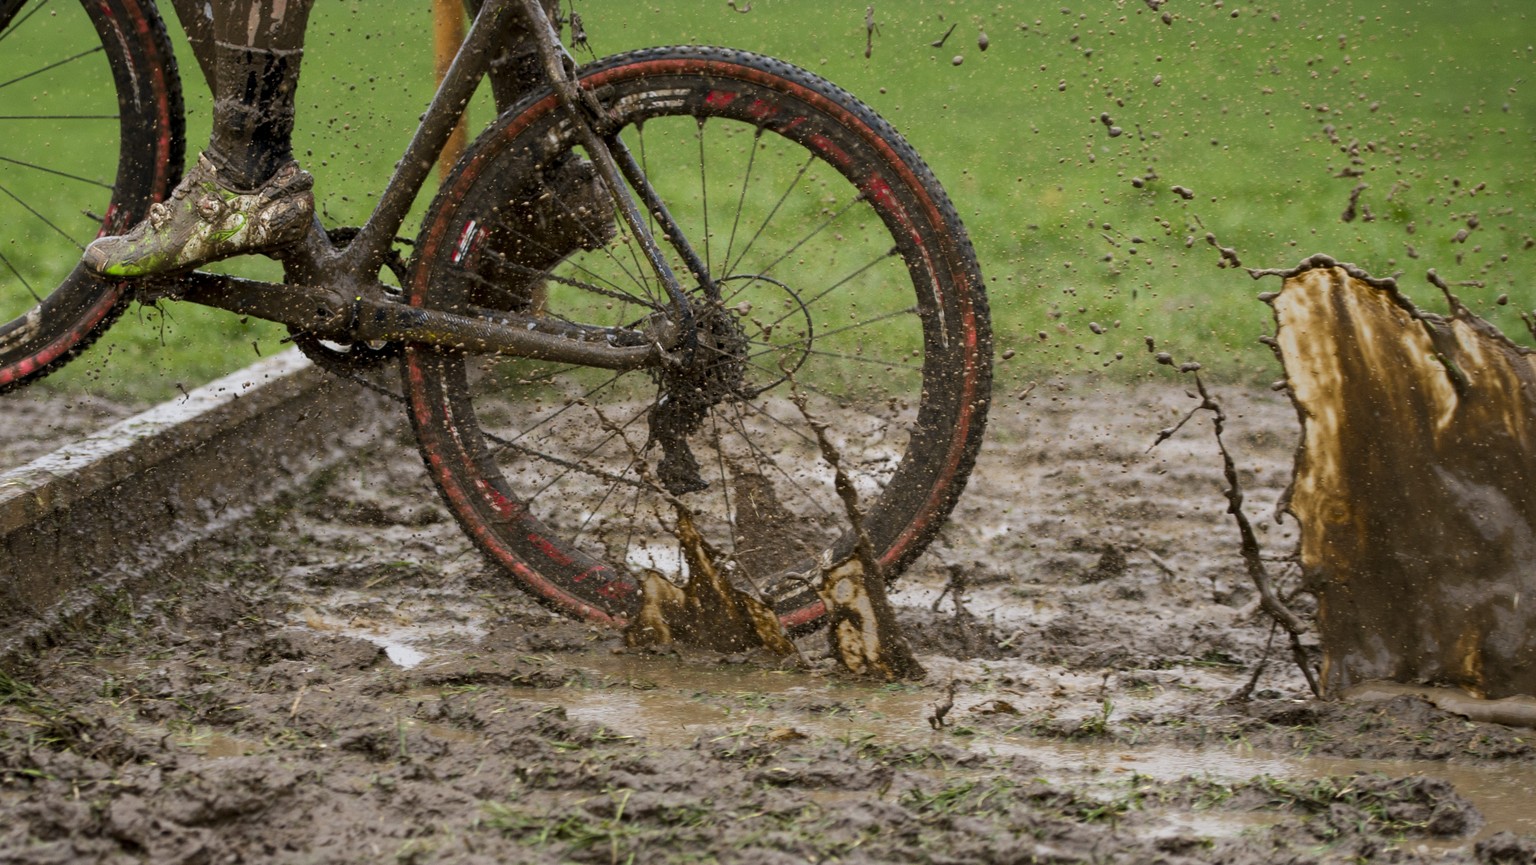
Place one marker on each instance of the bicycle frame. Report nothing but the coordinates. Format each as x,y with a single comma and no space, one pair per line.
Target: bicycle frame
332,291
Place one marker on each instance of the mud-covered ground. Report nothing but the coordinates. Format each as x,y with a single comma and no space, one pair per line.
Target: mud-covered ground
34,423
343,680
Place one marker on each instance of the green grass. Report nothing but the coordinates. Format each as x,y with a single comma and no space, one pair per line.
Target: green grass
1258,109
1227,105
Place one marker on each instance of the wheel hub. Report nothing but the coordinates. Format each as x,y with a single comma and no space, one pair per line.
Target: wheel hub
714,368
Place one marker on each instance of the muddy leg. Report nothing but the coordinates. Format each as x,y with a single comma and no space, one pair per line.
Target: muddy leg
258,45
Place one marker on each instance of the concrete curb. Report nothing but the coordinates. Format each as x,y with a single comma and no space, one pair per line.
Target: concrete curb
94,517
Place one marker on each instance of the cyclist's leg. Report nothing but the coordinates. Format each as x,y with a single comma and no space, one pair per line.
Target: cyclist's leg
245,194
515,68
258,45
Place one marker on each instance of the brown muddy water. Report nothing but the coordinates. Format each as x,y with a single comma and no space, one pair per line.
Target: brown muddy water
342,679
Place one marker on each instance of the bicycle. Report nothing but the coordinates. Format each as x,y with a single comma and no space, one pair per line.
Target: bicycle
773,234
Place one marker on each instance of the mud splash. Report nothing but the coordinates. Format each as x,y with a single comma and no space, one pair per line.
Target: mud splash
1414,484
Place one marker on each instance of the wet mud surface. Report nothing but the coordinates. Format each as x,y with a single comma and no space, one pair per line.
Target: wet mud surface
344,680
37,423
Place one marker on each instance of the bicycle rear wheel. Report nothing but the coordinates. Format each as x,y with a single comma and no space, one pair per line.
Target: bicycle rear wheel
843,273
92,113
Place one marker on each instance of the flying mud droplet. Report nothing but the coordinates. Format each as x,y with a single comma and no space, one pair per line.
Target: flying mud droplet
1351,211
1228,254
982,42
1184,192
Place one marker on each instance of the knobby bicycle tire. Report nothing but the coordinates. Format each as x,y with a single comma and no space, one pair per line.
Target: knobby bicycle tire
95,134
844,276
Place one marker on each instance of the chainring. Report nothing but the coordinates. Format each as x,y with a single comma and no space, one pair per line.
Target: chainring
351,358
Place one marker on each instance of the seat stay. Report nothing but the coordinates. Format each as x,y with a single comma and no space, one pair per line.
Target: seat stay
587,118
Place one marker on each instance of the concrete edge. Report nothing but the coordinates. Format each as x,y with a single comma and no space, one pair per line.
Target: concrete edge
110,510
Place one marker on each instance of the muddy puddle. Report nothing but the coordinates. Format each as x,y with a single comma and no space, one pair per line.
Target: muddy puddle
671,703
343,677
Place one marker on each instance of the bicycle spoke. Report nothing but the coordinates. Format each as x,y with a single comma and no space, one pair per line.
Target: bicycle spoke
12,268
664,217
762,457
595,510
535,275
17,25
803,385
576,465
833,355
741,200
617,290
45,220
761,462
56,172
567,464
807,304
632,244
730,267
570,404
807,238
56,117
859,360
704,193
764,413
86,53
725,483
911,310
638,276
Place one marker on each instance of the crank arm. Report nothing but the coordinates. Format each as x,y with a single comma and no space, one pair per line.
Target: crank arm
368,316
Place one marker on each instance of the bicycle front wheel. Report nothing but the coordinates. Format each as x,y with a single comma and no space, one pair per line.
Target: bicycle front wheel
837,270
91,108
